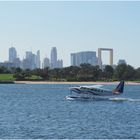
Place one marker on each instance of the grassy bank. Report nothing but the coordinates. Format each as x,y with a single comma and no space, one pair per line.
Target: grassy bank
9,78
6,77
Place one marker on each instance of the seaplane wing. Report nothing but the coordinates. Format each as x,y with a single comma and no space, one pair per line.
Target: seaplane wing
93,86
97,90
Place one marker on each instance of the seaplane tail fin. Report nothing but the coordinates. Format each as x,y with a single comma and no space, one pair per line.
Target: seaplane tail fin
119,88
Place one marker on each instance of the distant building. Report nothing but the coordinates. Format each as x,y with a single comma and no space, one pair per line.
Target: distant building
28,55
54,63
84,57
30,61
8,65
121,61
73,59
12,54
59,63
26,64
38,59
53,57
100,56
17,63
46,62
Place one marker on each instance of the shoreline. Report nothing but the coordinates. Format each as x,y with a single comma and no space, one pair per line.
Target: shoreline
73,83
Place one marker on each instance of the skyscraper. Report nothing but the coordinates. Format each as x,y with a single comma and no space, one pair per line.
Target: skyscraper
83,57
60,63
28,55
12,54
38,59
46,62
73,59
53,57
30,61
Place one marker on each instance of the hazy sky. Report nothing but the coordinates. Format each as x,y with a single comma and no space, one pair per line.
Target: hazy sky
71,27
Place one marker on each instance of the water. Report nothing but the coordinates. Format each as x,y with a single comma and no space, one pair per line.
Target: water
41,111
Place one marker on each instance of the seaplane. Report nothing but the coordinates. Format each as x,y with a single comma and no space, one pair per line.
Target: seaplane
95,91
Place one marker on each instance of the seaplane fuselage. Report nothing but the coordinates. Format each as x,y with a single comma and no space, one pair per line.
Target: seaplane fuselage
96,91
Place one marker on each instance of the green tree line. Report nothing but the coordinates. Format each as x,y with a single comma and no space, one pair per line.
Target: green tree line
85,72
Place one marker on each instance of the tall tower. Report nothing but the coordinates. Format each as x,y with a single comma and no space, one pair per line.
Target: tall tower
28,55
53,57
46,62
38,59
12,54
73,59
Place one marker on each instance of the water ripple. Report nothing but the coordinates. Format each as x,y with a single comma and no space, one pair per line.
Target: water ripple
41,112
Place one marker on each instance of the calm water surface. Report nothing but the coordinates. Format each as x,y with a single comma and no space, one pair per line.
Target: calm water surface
41,111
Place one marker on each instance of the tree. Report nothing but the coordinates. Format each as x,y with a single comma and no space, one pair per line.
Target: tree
124,72
18,70
3,70
19,75
55,74
97,73
44,73
28,73
108,72
137,75
85,73
70,73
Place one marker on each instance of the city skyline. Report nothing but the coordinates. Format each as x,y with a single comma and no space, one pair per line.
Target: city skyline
71,27
32,60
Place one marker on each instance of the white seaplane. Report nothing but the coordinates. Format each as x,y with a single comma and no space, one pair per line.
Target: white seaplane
95,92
